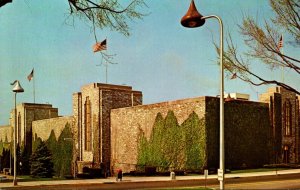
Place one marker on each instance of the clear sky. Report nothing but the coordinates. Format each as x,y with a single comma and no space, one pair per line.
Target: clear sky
160,58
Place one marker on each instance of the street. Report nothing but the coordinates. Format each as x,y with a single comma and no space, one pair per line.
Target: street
278,184
291,181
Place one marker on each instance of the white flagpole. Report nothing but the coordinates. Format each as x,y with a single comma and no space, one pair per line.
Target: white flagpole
281,51
282,68
106,65
33,87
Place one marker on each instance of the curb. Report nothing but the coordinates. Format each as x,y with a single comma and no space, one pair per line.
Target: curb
128,184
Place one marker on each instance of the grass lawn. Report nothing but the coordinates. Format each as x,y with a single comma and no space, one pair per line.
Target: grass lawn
29,178
181,188
257,170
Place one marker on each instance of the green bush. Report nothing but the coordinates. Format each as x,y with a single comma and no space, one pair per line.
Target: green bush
61,150
41,162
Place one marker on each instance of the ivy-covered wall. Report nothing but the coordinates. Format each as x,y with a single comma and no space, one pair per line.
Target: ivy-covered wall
152,122
152,135
247,134
174,146
61,149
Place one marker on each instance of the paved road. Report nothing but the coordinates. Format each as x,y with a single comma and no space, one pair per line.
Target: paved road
259,180
277,184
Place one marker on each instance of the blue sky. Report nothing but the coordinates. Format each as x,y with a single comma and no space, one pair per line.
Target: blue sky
160,58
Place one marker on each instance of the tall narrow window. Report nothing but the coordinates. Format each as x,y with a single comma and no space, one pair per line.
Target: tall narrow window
19,128
287,118
88,125
286,154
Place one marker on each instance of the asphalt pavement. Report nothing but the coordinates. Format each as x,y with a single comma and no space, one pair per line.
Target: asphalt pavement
7,184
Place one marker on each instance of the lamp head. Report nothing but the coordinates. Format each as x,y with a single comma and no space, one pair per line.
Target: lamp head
192,18
17,88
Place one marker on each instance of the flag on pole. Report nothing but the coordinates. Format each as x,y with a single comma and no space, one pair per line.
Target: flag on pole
30,76
99,46
280,43
233,76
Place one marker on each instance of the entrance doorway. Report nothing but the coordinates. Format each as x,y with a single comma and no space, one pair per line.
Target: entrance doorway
286,154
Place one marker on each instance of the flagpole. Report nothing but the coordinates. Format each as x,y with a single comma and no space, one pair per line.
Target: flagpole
99,47
281,52
33,89
282,68
106,65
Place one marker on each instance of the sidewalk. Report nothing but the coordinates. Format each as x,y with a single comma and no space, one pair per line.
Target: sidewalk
129,179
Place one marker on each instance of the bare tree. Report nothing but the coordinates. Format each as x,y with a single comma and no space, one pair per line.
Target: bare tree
104,13
263,44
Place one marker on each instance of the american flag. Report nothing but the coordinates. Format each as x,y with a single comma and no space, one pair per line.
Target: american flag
233,76
280,43
30,76
99,46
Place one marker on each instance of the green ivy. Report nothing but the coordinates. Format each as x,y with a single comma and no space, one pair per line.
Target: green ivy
61,150
41,162
246,133
194,139
173,146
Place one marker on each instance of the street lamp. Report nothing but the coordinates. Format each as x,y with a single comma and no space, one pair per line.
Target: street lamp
17,89
193,19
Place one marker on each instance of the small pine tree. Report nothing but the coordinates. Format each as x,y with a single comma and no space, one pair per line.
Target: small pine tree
41,162
25,156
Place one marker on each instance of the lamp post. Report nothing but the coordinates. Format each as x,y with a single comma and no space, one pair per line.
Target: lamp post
17,89
193,19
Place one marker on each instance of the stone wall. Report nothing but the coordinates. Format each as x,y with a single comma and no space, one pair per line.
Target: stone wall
26,114
285,147
292,140
103,98
43,128
127,124
241,130
246,133
6,133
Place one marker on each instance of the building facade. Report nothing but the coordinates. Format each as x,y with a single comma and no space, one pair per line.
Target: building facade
142,136
5,133
109,123
91,110
284,116
26,114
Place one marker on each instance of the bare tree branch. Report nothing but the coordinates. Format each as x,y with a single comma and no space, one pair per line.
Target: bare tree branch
108,13
104,13
262,43
4,2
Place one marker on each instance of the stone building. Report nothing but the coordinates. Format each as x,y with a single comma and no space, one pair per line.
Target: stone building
284,116
43,128
109,121
5,133
244,146
26,114
91,110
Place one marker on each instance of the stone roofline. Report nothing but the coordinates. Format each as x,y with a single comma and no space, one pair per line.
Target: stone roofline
55,118
35,105
109,87
188,100
5,126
